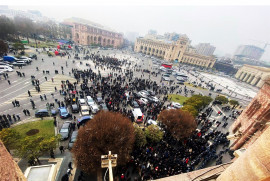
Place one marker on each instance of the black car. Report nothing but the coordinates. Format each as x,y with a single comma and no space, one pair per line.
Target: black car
42,113
217,102
135,104
65,130
72,139
74,108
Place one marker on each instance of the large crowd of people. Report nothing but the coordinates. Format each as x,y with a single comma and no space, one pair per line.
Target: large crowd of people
118,90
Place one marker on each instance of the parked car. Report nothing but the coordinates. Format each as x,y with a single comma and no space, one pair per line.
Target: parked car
217,102
90,100
33,56
19,63
72,139
153,99
6,64
143,94
94,108
54,112
166,78
82,102
176,105
26,59
85,110
42,113
74,108
5,68
135,104
84,119
103,106
64,113
65,130
99,100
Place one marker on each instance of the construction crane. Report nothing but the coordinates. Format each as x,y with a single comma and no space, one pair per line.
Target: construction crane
265,43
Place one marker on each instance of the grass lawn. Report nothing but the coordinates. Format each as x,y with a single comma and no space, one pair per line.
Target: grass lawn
177,98
43,44
191,85
45,127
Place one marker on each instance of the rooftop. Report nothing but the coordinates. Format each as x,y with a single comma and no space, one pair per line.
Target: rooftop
89,23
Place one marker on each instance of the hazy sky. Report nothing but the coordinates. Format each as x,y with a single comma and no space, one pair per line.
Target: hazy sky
225,27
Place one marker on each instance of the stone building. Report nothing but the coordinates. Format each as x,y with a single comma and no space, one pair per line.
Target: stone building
85,32
253,75
9,170
254,119
173,50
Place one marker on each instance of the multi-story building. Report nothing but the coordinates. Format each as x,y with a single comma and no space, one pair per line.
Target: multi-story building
173,50
253,75
205,49
248,52
85,32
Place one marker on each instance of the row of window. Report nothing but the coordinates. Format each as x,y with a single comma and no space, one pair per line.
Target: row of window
153,50
153,44
98,31
193,61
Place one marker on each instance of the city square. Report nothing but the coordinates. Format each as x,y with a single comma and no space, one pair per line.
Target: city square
89,104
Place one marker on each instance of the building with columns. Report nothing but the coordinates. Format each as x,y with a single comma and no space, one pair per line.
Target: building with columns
253,75
85,32
173,50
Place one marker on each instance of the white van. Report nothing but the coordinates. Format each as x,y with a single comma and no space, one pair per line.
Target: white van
85,110
138,115
5,68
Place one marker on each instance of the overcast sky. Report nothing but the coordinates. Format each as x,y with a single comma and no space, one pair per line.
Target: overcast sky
226,27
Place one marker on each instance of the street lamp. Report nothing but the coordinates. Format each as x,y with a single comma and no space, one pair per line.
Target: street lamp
109,161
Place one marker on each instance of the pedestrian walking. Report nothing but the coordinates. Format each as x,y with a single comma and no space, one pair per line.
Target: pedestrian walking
61,148
46,78
28,112
44,96
52,154
69,172
52,79
18,117
24,112
29,93
9,82
13,103
70,165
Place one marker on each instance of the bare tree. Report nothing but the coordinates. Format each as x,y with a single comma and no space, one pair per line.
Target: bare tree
107,131
179,123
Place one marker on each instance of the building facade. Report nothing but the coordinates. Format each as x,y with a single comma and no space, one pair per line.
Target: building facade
248,51
173,50
88,33
253,120
253,75
9,169
205,49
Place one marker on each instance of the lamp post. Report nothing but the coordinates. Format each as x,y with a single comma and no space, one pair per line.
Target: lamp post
109,161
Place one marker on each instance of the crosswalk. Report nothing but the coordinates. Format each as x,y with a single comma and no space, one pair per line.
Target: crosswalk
45,88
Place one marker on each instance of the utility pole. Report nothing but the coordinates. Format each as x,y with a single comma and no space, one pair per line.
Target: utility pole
109,161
